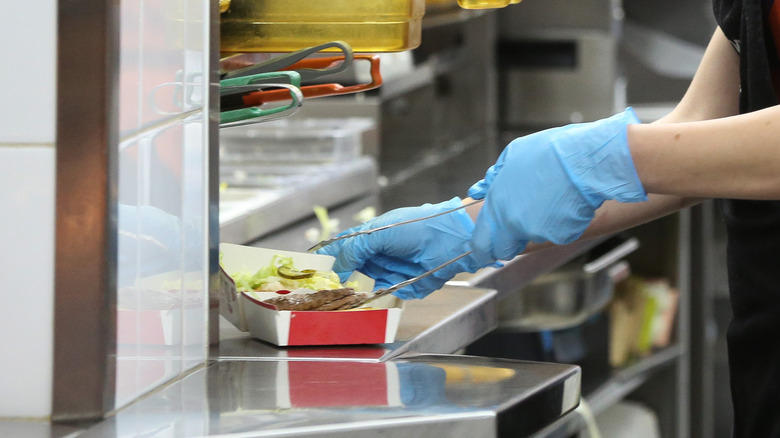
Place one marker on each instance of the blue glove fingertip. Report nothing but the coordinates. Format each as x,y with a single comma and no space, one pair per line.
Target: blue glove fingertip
478,190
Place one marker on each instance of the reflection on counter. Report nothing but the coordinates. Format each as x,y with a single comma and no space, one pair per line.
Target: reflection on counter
160,323
437,395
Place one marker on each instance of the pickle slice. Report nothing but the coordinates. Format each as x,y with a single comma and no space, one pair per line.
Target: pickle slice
293,274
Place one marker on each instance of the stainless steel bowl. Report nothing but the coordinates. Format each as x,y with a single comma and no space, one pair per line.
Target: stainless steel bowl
568,296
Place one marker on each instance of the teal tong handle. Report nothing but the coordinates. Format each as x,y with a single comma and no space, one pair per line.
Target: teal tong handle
246,116
250,83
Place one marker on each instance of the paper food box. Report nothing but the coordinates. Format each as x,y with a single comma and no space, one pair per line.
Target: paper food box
377,323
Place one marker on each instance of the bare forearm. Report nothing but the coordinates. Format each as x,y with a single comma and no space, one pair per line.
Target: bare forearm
703,148
614,216
731,157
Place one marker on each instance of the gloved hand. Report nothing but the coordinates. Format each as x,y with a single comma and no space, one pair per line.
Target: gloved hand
547,186
400,253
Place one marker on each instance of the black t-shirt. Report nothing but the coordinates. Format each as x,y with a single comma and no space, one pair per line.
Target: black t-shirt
753,228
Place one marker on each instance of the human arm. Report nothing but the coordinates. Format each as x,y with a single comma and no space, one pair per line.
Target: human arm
713,94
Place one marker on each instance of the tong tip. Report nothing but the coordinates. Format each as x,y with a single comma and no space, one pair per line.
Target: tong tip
318,246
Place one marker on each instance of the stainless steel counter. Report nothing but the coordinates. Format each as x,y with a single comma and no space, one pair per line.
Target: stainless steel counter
405,389
410,396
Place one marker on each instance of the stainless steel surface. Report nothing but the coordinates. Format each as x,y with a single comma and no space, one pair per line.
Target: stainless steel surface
264,211
86,199
524,19
411,396
444,322
612,256
573,79
523,269
568,296
212,103
620,385
302,234
385,227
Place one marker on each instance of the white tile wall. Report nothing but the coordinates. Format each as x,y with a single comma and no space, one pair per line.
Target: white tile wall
26,270
27,101
27,96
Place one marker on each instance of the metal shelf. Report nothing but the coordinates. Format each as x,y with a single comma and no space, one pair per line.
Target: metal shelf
261,215
622,383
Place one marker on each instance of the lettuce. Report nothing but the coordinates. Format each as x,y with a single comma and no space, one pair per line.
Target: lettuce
267,278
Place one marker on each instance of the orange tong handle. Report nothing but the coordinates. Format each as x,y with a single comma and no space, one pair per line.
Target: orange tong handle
321,90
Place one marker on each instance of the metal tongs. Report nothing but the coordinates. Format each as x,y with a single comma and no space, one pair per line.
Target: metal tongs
327,242
382,292
289,61
320,90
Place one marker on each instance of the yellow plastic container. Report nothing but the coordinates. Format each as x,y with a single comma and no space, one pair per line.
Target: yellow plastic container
290,25
486,4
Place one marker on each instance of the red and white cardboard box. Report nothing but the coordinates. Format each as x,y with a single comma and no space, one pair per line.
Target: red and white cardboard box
246,310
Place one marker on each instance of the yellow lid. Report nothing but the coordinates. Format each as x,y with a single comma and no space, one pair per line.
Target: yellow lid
290,25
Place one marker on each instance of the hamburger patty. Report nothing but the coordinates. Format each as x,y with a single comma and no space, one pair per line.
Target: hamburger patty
331,299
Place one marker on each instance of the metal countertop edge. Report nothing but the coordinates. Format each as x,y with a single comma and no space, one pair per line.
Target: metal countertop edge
485,304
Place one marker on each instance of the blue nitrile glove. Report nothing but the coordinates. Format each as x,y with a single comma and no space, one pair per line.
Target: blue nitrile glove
400,253
547,186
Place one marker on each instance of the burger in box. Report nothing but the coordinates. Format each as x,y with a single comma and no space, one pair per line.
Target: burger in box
294,298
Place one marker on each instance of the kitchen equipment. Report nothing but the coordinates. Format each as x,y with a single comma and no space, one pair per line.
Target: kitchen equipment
439,5
255,114
288,25
369,231
287,62
253,82
296,141
568,296
320,90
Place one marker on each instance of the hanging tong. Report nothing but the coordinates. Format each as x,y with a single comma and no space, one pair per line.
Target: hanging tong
287,62
285,81
231,90
319,90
